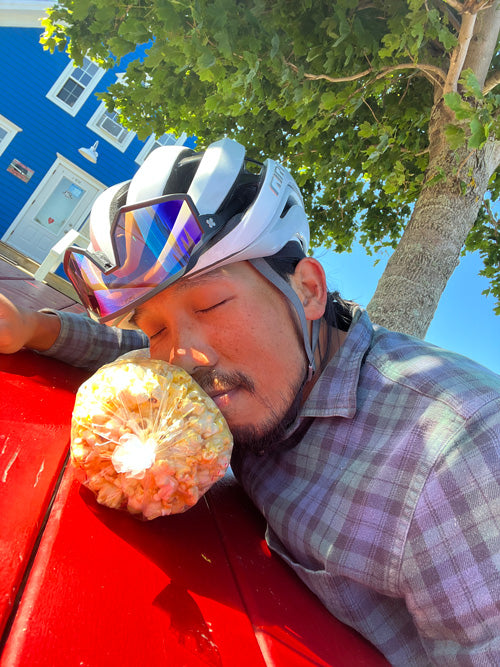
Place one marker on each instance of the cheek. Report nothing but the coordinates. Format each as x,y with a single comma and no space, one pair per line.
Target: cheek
265,339
159,350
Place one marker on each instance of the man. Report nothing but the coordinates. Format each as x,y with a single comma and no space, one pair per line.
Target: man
374,457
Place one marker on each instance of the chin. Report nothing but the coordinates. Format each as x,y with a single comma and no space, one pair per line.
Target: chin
264,438
270,434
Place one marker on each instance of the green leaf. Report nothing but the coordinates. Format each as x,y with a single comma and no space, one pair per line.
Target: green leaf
206,60
478,135
121,47
471,84
455,136
453,100
463,110
366,130
328,100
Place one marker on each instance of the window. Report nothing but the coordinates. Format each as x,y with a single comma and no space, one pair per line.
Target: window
74,86
105,123
8,131
153,142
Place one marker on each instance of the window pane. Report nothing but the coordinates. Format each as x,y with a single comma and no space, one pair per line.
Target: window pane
91,67
85,73
85,79
3,134
70,92
109,124
166,140
56,210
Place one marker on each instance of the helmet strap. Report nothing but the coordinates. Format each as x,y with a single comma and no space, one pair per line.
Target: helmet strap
280,283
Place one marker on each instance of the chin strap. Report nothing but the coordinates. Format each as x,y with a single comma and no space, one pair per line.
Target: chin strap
316,324
310,345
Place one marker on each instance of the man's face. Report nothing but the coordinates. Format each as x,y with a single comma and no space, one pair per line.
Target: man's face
234,333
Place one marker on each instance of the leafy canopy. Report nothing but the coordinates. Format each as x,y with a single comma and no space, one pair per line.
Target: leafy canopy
340,91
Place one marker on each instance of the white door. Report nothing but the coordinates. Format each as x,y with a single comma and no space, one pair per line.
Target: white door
61,202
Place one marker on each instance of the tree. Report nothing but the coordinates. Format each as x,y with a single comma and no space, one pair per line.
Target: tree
385,110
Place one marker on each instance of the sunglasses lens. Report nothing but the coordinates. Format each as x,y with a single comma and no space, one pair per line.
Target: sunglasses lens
153,246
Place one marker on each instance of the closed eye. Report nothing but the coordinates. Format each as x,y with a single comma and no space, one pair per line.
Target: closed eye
157,334
213,307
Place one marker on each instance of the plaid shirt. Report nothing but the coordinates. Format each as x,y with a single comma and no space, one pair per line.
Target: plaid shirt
388,507
85,343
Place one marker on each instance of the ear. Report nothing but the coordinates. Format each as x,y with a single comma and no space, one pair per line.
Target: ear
309,281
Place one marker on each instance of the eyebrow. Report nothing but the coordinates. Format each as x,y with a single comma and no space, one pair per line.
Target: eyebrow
197,280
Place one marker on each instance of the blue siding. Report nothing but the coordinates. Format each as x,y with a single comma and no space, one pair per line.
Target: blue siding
27,73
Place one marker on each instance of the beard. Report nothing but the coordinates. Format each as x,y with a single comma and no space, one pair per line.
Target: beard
270,435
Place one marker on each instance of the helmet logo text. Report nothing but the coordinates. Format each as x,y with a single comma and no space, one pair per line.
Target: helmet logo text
277,179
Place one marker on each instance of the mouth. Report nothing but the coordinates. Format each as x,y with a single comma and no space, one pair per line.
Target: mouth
223,398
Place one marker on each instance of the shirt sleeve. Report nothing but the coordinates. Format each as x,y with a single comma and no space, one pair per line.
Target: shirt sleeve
85,343
450,570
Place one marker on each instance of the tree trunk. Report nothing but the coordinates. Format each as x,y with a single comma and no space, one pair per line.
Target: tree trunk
409,290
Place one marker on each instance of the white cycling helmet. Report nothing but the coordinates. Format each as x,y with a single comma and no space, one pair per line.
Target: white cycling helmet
186,212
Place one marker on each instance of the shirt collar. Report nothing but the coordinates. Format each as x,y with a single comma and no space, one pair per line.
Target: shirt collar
334,394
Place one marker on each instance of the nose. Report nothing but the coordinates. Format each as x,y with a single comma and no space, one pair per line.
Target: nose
190,359
191,350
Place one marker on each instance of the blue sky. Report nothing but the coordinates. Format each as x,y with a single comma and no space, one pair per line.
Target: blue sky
464,321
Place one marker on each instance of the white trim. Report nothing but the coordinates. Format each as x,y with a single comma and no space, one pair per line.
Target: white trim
94,125
20,14
11,128
146,149
60,160
61,81
77,171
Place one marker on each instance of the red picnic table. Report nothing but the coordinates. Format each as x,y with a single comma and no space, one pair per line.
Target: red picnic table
85,585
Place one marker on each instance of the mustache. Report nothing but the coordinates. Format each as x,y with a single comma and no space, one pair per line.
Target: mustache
213,381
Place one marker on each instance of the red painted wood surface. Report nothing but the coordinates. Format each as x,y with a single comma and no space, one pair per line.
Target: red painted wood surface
105,589
36,399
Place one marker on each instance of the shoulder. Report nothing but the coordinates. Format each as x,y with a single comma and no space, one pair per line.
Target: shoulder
430,372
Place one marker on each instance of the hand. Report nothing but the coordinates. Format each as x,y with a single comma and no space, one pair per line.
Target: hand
20,327
14,326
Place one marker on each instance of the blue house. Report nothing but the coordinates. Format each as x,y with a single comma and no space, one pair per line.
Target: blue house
59,146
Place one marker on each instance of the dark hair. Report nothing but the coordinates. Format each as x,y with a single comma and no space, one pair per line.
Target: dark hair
338,311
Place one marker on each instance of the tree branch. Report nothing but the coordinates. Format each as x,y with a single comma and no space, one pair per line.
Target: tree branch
470,6
354,77
451,16
372,112
490,83
492,218
434,74
460,52
484,43
455,4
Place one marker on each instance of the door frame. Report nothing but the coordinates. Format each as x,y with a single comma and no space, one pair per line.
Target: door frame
71,167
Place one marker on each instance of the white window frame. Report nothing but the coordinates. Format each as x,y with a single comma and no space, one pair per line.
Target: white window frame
61,82
152,140
95,126
11,128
